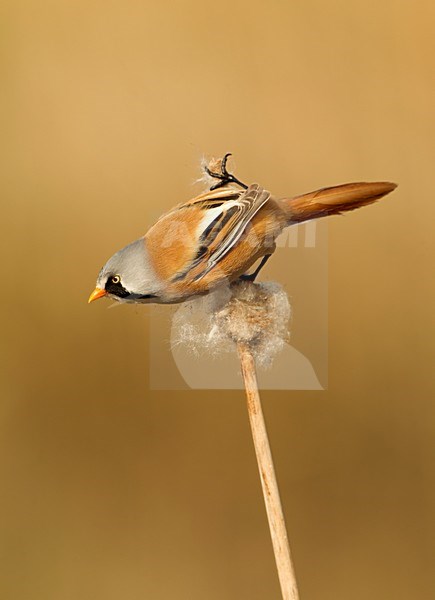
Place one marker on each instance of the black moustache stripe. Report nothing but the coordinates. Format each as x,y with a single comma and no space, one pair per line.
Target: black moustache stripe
117,289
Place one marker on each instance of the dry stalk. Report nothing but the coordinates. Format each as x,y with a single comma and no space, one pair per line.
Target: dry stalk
269,483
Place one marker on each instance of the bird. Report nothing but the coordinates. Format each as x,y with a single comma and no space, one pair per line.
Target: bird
215,238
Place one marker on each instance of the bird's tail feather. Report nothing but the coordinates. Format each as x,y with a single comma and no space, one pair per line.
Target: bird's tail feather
335,200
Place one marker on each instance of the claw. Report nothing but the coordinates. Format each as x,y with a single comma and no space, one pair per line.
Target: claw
224,164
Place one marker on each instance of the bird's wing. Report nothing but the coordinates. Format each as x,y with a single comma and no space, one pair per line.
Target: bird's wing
225,217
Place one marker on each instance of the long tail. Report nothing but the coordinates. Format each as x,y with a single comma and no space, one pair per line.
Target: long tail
335,200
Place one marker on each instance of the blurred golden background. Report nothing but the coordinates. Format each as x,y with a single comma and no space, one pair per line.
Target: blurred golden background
110,490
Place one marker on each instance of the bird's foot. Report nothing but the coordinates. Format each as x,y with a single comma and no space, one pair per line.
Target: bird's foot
251,277
224,177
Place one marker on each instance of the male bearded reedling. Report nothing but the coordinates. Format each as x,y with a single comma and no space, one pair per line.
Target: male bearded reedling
216,237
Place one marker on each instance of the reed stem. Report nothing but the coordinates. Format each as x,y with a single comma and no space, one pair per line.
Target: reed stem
269,483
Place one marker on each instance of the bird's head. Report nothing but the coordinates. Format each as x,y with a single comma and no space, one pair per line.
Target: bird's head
128,276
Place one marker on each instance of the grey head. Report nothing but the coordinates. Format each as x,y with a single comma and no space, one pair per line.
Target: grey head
128,275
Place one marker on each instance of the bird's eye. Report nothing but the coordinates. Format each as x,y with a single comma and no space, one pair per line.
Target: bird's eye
115,279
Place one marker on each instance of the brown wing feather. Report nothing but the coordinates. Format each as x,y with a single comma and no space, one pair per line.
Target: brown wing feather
190,240
223,233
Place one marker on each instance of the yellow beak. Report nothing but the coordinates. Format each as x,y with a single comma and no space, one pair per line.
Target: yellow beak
97,293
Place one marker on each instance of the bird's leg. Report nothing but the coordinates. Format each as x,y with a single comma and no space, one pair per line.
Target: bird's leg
252,277
224,177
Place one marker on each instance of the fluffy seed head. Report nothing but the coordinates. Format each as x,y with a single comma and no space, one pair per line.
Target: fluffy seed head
254,314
